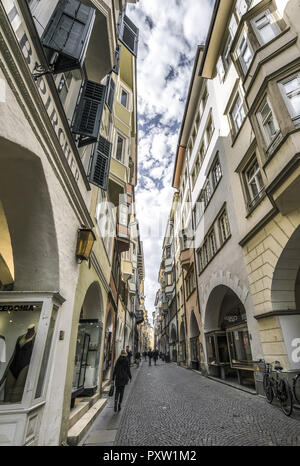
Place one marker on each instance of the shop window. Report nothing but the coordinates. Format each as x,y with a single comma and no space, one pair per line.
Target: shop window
267,122
290,88
254,182
245,53
239,344
224,226
41,379
237,114
18,323
265,27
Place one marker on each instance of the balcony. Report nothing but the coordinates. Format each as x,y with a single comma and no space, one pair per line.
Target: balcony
126,269
186,258
131,287
123,238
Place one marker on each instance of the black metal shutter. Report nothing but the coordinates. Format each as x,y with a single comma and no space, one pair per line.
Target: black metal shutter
100,165
68,32
129,35
117,59
110,93
88,112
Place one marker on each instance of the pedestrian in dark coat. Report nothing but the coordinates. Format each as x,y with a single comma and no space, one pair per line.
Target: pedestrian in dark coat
145,355
121,375
129,354
150,356
137,358
155,356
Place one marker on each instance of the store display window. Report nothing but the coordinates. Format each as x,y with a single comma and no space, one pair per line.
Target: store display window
87,357
239,344
18,328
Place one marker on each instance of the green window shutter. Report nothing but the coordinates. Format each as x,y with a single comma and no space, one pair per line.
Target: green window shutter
117,59
68,33
110,92
88,112
99,171
129,35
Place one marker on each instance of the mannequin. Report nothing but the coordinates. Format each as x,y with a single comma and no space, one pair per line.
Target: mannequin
16,371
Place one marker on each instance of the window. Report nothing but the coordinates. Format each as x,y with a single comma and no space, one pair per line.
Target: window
237,114
265,27
226,53
291,92
200,260
224,226
168,252
207,193
233,26
209,130
212,244
245,53
124,98
267,121
202,152
255,184
190,283
216,173
205,254
119,149
169,279
220,69
199,209
242,7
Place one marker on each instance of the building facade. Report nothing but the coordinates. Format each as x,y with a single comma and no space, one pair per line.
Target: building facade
70,138
236,173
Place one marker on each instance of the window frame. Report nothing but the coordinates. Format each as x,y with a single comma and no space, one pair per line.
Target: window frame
222,215
241,52
263,122
118,135
232,119
274,26
284,94
251,199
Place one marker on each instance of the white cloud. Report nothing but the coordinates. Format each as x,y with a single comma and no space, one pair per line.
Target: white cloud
166,50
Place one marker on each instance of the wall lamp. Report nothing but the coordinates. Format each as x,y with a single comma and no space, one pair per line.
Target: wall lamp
85,242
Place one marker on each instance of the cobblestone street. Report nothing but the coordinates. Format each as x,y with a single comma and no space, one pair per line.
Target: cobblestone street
172,406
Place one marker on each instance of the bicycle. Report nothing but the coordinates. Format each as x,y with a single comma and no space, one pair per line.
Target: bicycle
296,388
278,387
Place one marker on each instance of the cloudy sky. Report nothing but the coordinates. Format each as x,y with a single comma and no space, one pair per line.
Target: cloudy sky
170,31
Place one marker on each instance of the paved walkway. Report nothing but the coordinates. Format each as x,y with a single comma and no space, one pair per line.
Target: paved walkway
169,405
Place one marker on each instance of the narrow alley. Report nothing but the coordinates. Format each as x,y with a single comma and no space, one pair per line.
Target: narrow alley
170,405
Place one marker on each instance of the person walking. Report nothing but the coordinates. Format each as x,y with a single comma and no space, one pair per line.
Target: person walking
150,356
155,356
137,358
121,374
145,355
129,354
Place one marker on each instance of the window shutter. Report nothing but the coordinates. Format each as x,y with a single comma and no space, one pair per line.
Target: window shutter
110,92
100,165
117,59
68,32
88,112
129,35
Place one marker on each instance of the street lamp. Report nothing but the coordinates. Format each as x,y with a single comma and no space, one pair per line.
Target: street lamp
85,242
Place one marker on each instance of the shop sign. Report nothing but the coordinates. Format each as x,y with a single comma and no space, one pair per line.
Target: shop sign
13,307
32,58
235,317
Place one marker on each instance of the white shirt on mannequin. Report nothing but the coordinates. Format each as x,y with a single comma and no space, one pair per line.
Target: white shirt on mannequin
2,349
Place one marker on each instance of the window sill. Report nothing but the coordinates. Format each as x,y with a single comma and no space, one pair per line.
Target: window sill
257,202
